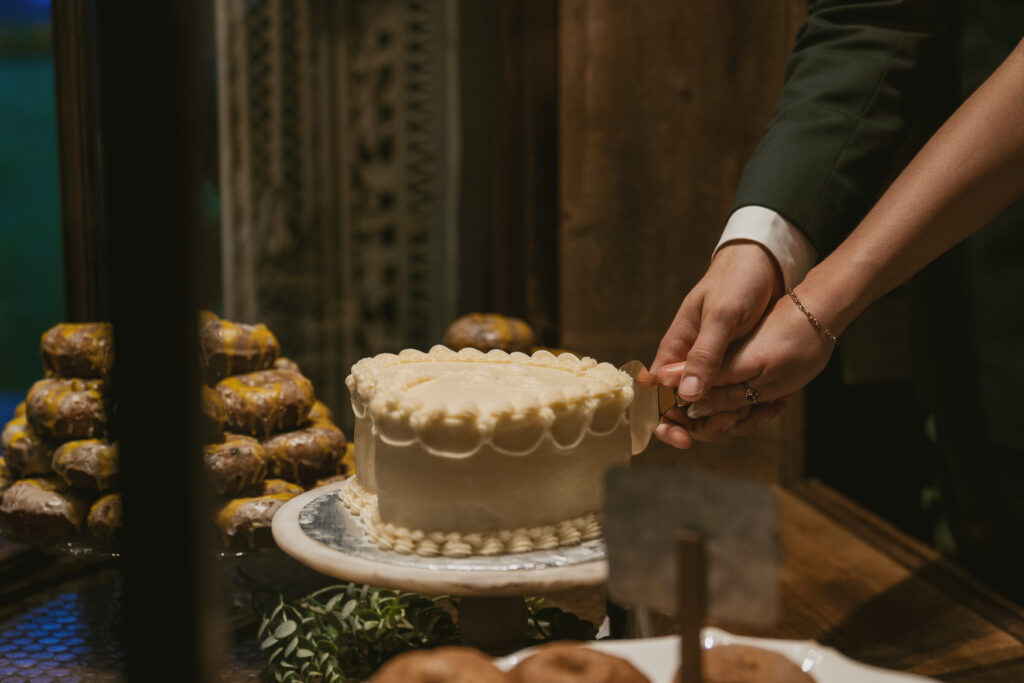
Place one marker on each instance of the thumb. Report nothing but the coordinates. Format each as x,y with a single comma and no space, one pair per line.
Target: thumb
741,364
705,357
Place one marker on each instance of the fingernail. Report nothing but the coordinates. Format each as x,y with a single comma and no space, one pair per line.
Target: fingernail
690,386
697,411
672,367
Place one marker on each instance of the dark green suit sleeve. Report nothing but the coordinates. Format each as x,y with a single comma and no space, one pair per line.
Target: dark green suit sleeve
854,87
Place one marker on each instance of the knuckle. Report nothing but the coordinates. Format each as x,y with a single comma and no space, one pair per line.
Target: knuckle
727,315
703,356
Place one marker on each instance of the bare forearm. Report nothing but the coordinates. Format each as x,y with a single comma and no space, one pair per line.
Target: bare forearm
970,170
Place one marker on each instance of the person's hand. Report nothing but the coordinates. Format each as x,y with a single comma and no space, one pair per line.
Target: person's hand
738,287
783,354
740,422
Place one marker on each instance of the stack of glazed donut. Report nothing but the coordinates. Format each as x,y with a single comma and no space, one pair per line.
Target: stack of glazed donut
266,437
269,439
59,466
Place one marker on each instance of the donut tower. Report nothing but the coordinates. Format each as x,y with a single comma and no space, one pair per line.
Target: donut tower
266,437
59,468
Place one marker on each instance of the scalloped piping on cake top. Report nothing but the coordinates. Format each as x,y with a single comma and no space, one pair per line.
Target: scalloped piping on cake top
454,544
584,397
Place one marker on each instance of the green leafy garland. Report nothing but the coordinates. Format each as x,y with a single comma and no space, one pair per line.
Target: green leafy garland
347,631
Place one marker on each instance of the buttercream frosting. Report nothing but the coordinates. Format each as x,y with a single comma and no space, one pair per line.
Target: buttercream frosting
468,452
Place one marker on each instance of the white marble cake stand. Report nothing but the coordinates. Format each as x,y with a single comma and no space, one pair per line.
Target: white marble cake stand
319,531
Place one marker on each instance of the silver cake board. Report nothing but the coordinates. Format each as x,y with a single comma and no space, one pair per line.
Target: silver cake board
319,531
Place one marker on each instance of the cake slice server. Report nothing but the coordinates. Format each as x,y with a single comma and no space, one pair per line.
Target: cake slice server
649,403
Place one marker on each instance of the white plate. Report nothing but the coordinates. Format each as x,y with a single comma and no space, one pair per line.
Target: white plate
658,658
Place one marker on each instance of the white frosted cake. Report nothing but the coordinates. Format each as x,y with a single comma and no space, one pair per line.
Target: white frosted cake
471,453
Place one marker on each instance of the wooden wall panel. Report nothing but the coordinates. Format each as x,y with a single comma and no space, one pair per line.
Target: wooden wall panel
661,103
524,196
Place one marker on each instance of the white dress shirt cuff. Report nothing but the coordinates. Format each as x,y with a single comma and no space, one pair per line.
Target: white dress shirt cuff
792,250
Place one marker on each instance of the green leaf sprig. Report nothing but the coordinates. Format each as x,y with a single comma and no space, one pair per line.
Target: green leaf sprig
348,630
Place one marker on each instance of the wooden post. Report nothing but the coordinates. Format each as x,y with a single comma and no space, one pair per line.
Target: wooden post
73,68
495,625
151,106
692,601
524,198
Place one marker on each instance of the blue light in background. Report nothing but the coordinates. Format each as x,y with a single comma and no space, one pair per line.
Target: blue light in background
24,11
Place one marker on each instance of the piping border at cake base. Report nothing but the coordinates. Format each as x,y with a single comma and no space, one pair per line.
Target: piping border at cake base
405,541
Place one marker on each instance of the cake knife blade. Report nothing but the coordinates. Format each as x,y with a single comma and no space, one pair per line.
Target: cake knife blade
649,403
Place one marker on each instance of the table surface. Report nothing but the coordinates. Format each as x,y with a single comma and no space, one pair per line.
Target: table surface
855,583
848,580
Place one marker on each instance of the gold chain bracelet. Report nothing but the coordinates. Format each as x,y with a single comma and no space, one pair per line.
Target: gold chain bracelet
822,330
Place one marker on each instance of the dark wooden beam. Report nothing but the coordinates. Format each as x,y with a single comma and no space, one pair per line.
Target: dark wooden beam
524,205
151,100
73,69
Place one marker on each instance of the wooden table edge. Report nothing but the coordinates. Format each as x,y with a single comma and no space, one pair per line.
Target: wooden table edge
924,562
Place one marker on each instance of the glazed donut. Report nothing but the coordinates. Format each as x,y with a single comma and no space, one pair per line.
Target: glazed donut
272,486
283,363
213,415
65,409
744,664
231,348
105,519
486,331
236,466
441,665
42,508
244,523
319,413
84,350
305,455
266,401
572,663
87,464
7,476
26,454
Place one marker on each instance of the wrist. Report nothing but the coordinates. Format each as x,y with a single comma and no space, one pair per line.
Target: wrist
831,295
754,254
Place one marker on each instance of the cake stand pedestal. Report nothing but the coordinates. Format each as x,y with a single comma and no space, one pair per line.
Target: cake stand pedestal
319,531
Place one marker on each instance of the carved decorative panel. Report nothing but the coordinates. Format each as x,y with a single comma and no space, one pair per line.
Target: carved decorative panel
337,130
